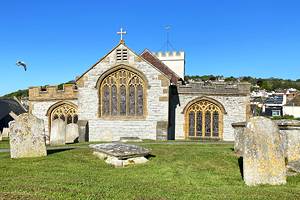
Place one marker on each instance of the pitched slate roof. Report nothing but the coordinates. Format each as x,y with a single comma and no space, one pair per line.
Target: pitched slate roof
276,99
8,105
294,102
152,59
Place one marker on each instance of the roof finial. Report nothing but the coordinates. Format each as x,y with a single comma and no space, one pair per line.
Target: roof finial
121,32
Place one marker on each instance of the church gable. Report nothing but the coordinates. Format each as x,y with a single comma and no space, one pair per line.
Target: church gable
120,55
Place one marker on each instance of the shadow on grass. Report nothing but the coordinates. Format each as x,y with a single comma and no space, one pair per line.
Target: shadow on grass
240,160
150,156
58,150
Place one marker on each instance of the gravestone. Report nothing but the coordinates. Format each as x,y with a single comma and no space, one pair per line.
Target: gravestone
72,133
263,156
5,132
27,137
58,132
83,128
290,132
119,154
239,128
0,136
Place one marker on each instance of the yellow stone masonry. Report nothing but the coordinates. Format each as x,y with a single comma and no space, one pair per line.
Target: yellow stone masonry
69,92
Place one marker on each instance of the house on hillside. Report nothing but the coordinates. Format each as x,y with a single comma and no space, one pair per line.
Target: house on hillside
292,107
273,105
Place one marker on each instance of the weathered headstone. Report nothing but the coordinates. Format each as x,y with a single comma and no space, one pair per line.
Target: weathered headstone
120,155
239,137
27,137
83,128
71,133
58,132
0,136
5,132
263,156
290,132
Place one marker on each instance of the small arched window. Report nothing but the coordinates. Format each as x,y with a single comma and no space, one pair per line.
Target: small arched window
204,119
122,93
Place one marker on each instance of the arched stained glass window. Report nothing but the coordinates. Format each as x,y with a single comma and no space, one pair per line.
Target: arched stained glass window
65,111
204,119
122,93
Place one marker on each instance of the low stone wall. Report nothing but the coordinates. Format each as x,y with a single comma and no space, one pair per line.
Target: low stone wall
290,134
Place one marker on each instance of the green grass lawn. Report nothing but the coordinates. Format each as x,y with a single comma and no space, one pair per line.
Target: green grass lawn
178,171
4,143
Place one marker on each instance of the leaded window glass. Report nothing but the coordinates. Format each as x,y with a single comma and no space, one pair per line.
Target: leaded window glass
131,100
215,124
140,100
123,100
106,98
204,119
207,124
63,117
114,100
199,123
55,117
69,119
192,123
75,119
122,94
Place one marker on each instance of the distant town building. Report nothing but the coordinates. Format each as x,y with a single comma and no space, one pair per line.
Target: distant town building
292,107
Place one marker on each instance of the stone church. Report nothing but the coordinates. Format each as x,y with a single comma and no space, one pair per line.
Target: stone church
126,94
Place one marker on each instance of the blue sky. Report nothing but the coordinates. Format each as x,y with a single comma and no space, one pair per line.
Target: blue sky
60,39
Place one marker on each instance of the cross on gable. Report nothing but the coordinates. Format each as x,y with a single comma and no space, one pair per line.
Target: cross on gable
121,32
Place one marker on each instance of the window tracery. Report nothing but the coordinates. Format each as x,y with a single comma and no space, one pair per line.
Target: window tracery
66,112
204,119
122,93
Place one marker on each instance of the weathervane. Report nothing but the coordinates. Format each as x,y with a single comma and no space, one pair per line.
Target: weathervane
121,32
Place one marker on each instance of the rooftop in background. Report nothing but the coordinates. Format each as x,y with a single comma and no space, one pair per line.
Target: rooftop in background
275,99
294,102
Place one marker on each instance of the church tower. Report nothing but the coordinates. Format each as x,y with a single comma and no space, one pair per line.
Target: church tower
174,60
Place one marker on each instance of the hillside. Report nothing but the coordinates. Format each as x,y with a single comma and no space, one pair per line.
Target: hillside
269,84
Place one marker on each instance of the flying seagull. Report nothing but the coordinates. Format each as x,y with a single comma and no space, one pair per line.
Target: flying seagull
21,64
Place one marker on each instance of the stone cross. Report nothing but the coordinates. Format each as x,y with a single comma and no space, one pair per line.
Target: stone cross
121,32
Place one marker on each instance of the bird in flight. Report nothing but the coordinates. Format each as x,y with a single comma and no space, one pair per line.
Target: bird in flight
21,64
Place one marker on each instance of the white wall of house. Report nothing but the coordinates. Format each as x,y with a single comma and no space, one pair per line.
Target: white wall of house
291,110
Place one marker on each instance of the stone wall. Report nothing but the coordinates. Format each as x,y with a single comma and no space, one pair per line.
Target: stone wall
69,92
235,107
40,108
101,129
235,99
